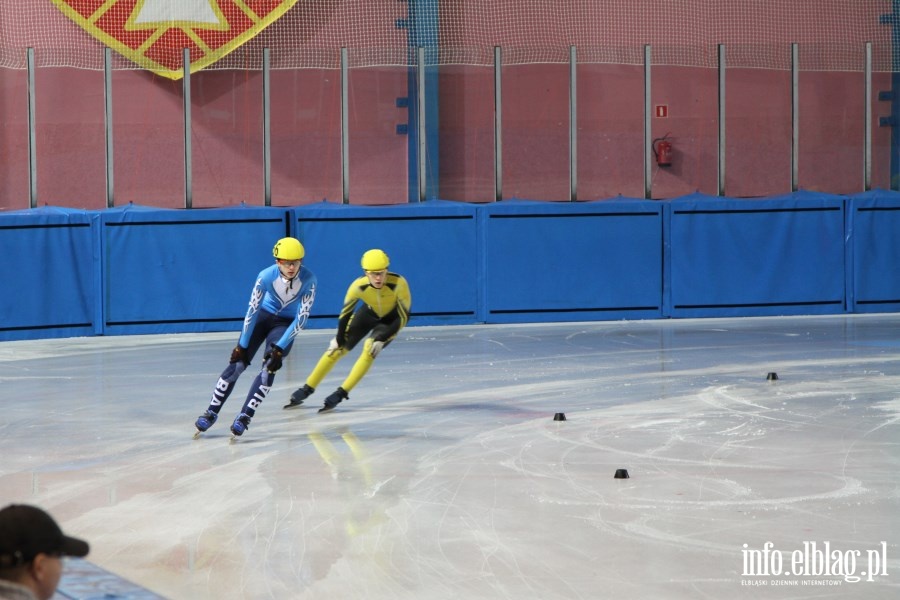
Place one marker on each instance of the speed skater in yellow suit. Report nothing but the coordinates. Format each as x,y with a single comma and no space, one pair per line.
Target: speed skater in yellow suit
376,305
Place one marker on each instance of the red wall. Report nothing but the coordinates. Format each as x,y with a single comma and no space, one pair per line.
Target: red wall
227,139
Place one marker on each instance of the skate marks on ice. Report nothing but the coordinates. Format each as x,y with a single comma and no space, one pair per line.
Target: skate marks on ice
712,470
445,475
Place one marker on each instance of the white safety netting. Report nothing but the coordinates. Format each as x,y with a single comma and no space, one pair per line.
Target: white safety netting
227,34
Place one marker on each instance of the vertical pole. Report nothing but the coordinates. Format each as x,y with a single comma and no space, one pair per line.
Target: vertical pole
795,117
892,19
422,99
267,131
498,125
108,122
867,121
186,87
721,186
32,133
421,133
345,128
573,124
648,142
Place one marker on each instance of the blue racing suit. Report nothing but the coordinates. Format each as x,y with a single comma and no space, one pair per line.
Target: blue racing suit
278,310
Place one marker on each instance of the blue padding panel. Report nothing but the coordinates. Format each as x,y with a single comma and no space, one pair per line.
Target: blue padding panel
432,244
566,261
875,241
46,265
184,271
778,256
83,580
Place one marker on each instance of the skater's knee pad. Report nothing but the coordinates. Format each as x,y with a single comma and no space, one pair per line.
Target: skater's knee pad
266,378
372,347
336,354
233,371
366,357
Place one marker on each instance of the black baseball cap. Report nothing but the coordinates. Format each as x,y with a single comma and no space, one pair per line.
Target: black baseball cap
26,531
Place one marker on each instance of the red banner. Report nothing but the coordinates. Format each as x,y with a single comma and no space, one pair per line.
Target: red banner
154,33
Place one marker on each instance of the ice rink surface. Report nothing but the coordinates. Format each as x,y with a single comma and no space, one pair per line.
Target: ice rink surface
445,475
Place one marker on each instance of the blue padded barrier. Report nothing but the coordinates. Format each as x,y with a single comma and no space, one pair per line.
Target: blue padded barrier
874,226
569,261
147,270
50,286
775,256
172,271
433,244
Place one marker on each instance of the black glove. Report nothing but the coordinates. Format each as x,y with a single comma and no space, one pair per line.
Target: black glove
239,354
273,358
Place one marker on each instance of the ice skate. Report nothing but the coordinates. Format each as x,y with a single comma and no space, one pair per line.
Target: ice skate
204,422
240,425
299,395
334,399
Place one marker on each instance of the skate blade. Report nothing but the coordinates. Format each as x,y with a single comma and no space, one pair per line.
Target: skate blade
327,409
292,404
197,434
234,438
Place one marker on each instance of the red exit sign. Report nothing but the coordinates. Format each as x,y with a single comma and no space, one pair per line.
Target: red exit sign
662,111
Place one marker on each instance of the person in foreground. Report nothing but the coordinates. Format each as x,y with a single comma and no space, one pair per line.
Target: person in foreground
279,308
31,549
384,301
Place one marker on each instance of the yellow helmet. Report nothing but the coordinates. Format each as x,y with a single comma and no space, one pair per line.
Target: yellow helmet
375,260
288,249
